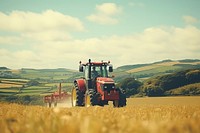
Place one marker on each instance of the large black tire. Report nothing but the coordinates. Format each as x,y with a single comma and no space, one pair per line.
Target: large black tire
91,98
77,97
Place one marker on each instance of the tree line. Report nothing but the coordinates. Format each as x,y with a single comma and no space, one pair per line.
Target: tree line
159,85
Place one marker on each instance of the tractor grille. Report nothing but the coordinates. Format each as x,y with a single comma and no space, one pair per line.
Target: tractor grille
108,87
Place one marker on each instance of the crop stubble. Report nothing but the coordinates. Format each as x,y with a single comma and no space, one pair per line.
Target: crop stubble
156,116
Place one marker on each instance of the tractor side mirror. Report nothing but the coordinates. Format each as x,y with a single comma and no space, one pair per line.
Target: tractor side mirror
110,68
81,68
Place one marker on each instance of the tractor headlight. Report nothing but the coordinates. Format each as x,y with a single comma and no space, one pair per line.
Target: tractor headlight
108,87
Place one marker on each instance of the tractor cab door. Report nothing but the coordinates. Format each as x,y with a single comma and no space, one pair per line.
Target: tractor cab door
88,78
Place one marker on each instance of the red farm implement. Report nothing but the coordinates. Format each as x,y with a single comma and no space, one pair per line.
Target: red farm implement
57,97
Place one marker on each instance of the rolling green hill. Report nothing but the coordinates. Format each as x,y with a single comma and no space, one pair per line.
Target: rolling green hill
191,89
174,83
27,81
145,71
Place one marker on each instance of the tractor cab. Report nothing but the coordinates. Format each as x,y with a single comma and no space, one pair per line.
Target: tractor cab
93,70
96,87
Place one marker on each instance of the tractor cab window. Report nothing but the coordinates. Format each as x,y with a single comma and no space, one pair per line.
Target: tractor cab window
95,72
86,72
99,71
104,71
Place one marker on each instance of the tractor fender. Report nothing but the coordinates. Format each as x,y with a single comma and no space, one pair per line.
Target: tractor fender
80,83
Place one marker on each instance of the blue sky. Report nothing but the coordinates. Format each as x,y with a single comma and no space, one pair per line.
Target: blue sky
52,34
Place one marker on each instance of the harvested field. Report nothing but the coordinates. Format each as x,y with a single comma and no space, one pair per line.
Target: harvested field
142,115
5,85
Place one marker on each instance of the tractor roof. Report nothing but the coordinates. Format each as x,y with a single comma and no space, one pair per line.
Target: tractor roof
96,63
102,63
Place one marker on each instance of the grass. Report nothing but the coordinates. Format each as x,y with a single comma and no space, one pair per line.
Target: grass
10,83
160,66
46,74
158,116
9,90
5,85
14,80
154,69
20,87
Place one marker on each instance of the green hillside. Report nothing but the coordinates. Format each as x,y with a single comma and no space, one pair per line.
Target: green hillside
47,74
145,71
162,85
191,89
27,81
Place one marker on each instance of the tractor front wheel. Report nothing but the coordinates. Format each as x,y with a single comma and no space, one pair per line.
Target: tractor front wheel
87,101
90,98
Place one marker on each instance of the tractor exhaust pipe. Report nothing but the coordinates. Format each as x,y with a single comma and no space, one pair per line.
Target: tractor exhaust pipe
89,81
89,69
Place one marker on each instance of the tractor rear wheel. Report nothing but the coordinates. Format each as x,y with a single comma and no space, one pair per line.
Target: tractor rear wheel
90,98
77,97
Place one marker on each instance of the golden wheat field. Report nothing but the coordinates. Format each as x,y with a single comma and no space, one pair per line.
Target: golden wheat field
142,115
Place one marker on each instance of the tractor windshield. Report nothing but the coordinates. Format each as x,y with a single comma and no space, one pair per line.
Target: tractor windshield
99,71
96,71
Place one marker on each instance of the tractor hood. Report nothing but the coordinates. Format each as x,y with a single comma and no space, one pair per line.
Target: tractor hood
104,80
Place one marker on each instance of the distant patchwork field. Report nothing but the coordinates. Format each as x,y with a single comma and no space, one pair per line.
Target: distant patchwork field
20,87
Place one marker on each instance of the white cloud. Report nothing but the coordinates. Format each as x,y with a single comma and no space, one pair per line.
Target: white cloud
19,59
105,14
45,26
47,36
8,40
190,20
108,9
153,44
20,21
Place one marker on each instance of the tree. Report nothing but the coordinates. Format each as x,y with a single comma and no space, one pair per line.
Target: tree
130,85
158,86
193,76
33,83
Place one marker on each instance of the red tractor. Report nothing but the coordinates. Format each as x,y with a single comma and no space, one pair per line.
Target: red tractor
96,87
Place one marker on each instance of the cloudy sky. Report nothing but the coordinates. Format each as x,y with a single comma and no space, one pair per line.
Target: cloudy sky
60,33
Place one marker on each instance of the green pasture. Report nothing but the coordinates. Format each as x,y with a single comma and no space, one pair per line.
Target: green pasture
157,70
47,74
9,91
14,80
